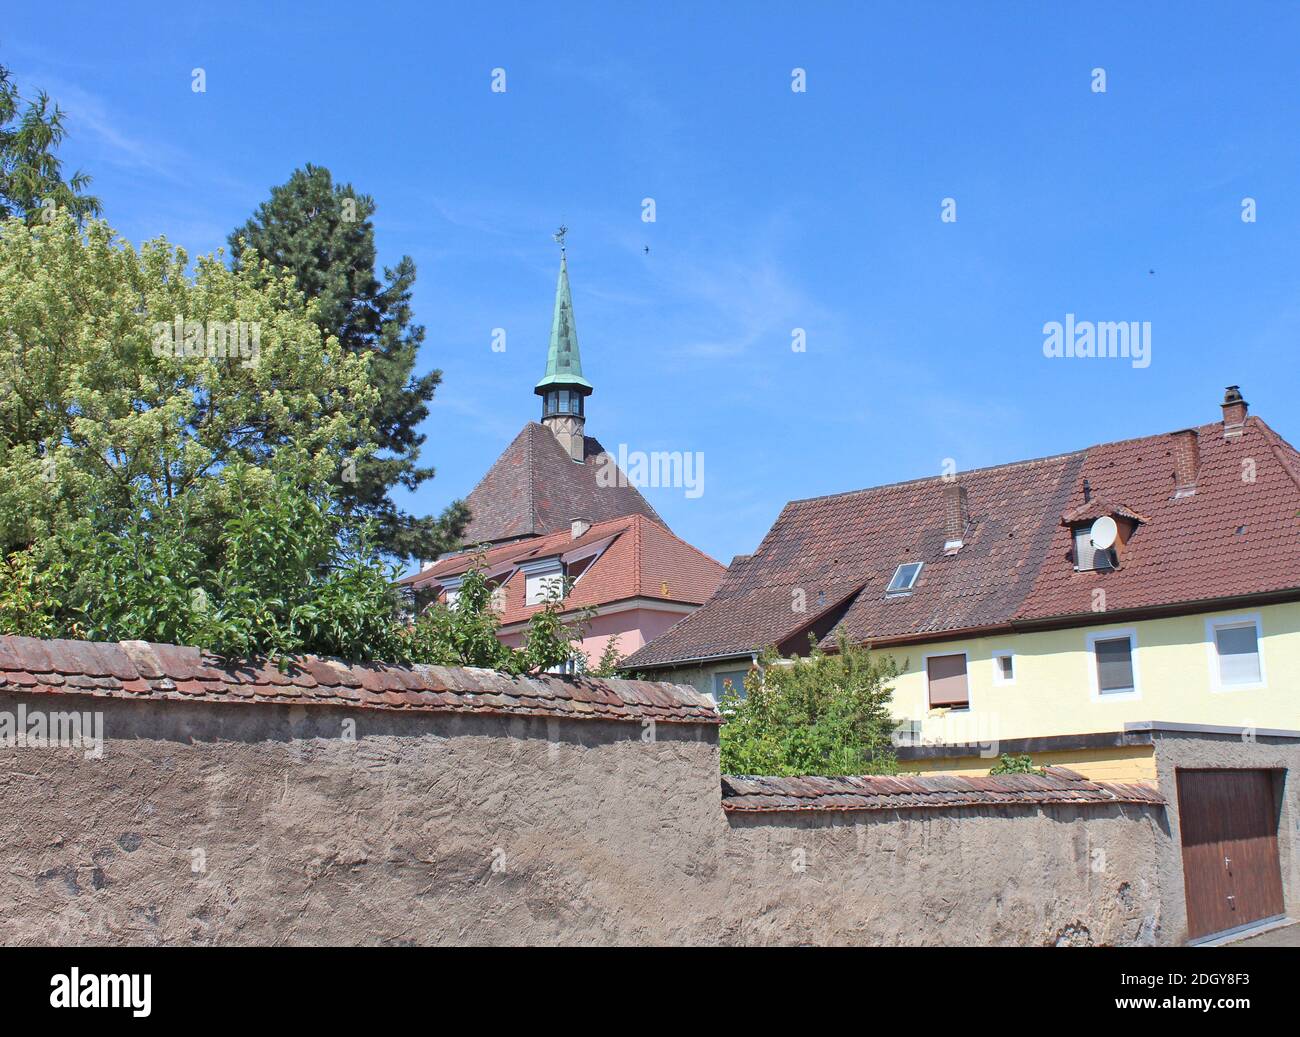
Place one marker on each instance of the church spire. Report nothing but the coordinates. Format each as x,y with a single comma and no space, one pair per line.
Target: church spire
563,389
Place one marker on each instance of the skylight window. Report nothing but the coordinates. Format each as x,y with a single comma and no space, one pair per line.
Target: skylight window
904,578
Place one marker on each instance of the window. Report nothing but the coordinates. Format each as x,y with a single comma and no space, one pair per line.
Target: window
946,675
1114,665
1004,668
1087,557
904,578
1234,653
564,401
451,589
732,678
543,581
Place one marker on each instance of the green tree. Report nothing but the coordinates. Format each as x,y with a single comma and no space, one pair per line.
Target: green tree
174,482
175,485
825,714
290,577
31,175
100,416
322,235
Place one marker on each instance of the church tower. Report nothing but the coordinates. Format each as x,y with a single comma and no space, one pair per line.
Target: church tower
563,389
553,472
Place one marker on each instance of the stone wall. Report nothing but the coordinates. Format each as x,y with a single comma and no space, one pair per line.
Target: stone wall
210,822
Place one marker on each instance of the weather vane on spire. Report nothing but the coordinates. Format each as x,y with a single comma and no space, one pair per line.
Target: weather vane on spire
559,236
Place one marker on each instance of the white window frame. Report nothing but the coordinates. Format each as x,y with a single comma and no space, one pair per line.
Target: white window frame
542,569
1212,625
970,685
1108,635
900,591
1004,653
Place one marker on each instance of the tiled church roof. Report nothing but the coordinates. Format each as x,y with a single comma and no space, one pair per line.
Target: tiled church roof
535,488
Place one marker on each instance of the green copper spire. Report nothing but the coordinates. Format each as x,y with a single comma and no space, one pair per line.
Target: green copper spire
563,361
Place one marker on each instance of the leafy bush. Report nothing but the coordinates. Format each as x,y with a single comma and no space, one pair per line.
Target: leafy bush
610,657
464,633
1008,764
825,714
290,575
293,576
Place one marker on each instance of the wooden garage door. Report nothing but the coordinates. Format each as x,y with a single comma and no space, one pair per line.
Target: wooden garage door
1229,833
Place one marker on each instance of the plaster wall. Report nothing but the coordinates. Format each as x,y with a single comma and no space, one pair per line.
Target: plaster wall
235,823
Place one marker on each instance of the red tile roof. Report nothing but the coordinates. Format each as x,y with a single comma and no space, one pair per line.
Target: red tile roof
535,488
1231,538
1058,786
140,670
642,559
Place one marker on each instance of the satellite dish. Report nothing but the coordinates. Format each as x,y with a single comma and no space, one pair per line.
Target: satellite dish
1103,533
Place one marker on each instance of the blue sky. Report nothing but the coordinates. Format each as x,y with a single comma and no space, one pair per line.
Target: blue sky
775,210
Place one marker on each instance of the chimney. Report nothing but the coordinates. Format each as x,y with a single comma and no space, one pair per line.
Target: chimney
956,516
577,527
1234,411
1187,461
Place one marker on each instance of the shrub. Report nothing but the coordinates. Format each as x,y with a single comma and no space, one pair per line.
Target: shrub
824,714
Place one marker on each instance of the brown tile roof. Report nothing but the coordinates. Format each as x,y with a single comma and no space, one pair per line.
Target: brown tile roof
852,543
535,488
1188,549
747,794
642,559
140,670
1230,538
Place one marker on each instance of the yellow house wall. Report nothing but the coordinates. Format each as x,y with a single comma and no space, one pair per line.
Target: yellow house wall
1122,763
1053,690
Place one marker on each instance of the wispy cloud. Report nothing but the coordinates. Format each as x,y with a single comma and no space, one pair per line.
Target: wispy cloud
90,118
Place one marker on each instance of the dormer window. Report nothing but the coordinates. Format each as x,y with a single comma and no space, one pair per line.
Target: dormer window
543,580
904,579
451,589
1087,556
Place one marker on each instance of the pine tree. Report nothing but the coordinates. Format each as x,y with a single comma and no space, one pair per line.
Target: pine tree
321,233
31,175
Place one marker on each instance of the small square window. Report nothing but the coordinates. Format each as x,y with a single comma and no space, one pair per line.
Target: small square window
729,680
904,578
1088,557
1114,665
1004,668
946,677
1237,650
